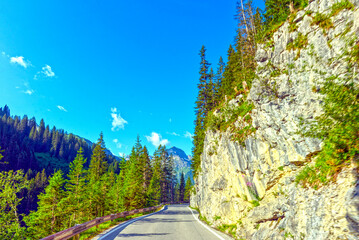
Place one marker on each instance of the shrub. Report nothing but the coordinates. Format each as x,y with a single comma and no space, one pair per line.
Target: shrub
338,127
339,6
323,21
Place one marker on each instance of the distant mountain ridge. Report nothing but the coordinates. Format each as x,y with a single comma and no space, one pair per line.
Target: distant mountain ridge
182,162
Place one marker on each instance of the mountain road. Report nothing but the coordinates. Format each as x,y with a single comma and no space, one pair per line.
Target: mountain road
172,222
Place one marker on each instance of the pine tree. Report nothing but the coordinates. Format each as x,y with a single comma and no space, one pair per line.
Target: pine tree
219,82
201,110
135,177
98,166
12,183
181,188
154,190
75,190
188,188
147,173
49,217
167,176
228,75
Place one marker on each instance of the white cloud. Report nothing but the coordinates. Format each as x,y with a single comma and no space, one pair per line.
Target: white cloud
118,145
188,135
156,139
117,121
3,53
170,120
20,60
47,71
29,92
17,87
173,134
122,154
61,108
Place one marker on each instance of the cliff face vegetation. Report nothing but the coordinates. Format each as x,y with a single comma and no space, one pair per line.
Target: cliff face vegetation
292,172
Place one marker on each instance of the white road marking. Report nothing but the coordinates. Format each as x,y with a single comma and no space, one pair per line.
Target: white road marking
206,226
122,226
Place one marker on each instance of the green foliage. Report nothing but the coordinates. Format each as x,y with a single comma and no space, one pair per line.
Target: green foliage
300,42
355,53
338,127
217,218
228,228
226,118
340,6
49,217
98,164
255,203
76,191
12,183
47,161
188,189
281,168
276,13
323,21
181,188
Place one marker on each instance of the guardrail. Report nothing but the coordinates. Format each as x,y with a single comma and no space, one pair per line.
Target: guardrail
76,230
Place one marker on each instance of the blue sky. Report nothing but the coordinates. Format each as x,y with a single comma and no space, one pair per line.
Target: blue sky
125,68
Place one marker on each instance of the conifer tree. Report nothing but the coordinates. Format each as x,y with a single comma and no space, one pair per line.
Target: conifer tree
187,192
201,110
12,183
49,217
135,177
167,175
154,190
181,188
218,82
98,166
75,190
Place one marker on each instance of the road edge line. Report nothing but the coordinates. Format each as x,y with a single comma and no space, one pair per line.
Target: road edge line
216,234
125,224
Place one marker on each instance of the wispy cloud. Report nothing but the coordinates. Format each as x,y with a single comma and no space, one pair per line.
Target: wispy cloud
170,120
156,139
20,60
118,144
188,135
173,134
29,91
47,71
117,121
61,108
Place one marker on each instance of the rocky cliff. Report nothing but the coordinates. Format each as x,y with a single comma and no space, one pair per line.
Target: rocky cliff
251,187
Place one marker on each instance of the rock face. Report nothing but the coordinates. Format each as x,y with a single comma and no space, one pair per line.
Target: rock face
235,178
182,163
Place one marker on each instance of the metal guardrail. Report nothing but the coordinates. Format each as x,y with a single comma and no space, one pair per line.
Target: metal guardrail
76,230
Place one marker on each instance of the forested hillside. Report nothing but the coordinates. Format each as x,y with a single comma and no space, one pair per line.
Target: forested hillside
53,180
29,145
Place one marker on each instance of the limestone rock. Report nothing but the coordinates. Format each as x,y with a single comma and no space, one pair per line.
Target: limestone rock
235,177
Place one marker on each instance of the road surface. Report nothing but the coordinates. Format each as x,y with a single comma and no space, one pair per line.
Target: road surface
173,222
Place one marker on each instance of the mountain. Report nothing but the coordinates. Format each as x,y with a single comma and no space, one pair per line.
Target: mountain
182,162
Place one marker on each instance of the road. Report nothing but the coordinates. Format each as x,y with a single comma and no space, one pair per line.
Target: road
173,222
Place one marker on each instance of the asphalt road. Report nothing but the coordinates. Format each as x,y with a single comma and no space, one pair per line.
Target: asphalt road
173,222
